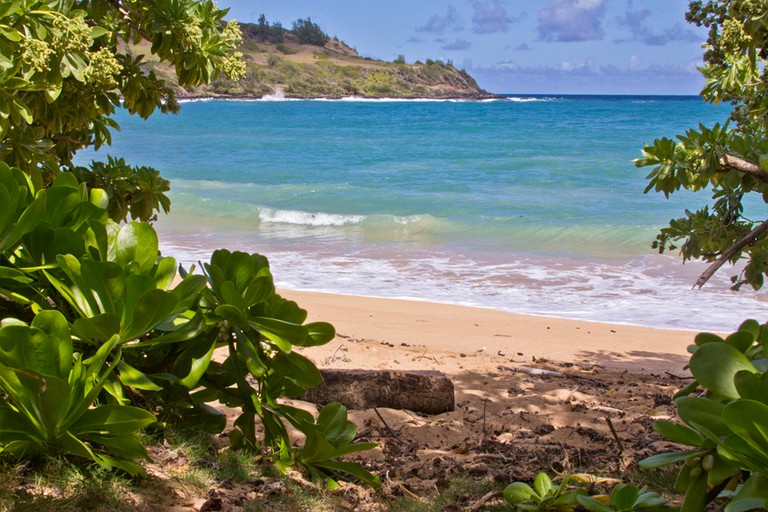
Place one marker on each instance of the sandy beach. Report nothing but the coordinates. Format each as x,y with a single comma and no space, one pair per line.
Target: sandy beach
530,392
372,333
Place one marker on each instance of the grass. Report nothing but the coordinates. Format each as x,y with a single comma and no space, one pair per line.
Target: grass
458,495
61,486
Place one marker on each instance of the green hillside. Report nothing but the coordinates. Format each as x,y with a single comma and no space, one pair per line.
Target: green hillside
279,63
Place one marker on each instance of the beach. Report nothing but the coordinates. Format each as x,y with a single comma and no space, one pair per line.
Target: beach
404,334
531,393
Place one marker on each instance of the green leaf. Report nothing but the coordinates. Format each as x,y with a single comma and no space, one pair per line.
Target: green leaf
100,198
28,348
751,326
231,296
319,333
695,495
132,377
192,363
188,290
664,459
153,308
56,327
12,274
137,242
748,419
333,422
741,340
707,337
624,496
97,32
105,280
593,505
678,433
126,446
543,484
26,223
715,365
44,399
750,386
113,420
283,334
98,328
752,495
253,361
353,469
165,273
702,412
517,492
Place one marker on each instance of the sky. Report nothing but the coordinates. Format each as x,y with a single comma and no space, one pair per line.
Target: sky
516,46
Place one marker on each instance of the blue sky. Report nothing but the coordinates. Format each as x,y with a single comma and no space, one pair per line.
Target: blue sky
515,46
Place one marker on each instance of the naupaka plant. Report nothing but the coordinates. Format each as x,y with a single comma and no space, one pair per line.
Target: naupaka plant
50,391
99,335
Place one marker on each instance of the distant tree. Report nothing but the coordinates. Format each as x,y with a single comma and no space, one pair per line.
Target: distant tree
308,32
262,27
277,32
731,160
400,59
268,33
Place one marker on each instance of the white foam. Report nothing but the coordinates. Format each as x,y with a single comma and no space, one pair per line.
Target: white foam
652,291
301,218
525,99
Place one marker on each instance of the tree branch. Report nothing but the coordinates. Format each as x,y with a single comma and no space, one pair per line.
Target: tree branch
748,239
741,165
127,15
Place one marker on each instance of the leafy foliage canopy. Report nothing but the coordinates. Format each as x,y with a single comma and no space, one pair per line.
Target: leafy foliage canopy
732,159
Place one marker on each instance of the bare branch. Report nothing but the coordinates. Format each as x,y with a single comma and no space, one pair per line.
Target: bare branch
748,239
741,165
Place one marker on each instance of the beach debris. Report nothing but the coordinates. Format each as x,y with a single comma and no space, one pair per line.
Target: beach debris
531,371
428,392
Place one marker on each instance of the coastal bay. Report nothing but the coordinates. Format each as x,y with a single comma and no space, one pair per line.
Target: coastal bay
525,205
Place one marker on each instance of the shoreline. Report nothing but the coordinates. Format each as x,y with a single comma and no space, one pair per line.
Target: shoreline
274,97
377,333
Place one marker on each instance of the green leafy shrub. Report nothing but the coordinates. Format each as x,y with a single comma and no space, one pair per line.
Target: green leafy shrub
50,395
544,495
61,250
624,498
726,427
308,32
286,50
98,337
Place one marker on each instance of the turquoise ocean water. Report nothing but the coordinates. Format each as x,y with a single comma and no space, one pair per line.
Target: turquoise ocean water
528,205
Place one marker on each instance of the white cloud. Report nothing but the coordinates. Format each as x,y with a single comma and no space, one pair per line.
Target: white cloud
491,16
571,20
440,23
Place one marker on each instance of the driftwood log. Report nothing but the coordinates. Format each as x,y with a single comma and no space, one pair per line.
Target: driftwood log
427,392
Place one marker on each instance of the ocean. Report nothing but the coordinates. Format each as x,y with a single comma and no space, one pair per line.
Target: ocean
529,204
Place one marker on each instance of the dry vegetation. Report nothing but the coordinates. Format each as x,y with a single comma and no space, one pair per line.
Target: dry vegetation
335,70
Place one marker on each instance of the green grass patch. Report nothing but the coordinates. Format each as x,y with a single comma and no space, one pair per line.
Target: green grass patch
285,50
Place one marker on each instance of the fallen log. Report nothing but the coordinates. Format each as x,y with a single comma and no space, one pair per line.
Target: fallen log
427,392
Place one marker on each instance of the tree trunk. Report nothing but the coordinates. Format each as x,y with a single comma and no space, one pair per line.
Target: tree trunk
428,392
